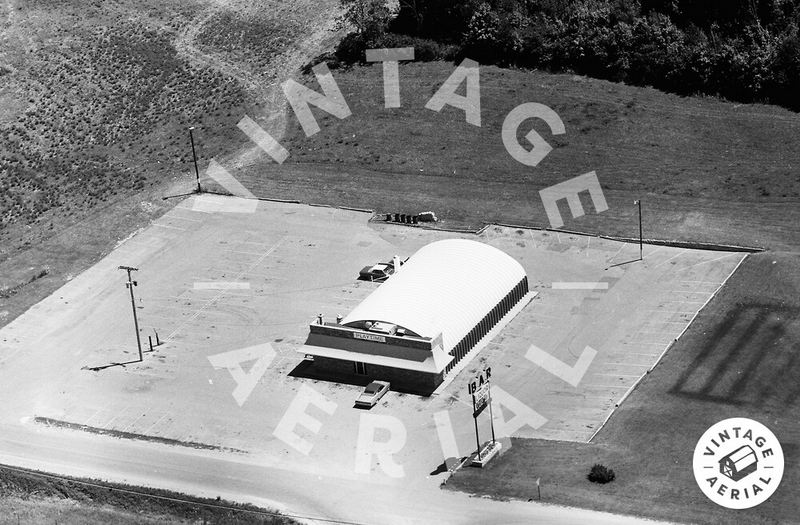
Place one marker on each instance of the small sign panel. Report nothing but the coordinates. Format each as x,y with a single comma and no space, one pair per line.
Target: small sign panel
480,380
480,399
369,337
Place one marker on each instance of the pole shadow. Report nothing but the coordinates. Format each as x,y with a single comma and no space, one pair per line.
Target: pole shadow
623,263
110,365
179,195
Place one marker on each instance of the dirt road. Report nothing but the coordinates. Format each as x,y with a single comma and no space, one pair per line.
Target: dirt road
318,21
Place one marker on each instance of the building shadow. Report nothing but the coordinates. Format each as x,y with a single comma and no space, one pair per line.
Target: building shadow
748,359
306,370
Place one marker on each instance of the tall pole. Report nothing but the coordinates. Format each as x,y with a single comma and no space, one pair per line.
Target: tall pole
641,249
194,157
130,284
491,416
477,439
475,418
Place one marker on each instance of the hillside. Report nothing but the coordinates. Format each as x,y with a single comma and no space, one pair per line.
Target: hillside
96,105
706,170
96,99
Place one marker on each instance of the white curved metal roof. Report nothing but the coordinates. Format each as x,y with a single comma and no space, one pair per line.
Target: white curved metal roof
447,286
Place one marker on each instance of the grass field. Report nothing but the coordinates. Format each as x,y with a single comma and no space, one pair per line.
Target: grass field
33,497
96,108
706,170
738,359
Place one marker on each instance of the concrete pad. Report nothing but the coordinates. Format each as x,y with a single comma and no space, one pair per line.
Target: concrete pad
280,266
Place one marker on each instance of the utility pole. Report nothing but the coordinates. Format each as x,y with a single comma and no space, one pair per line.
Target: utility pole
641,249
129,285
194,156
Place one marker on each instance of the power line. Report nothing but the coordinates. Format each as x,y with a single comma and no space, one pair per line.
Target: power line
177,500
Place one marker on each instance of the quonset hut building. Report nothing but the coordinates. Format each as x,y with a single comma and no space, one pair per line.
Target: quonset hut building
424,319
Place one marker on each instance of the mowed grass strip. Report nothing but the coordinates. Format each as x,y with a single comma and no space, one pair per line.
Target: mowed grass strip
739,359
706,170
29,496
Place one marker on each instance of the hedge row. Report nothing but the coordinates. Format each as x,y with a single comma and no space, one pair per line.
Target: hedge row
754,60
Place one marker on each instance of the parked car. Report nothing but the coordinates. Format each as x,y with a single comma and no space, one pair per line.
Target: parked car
377,272
372,394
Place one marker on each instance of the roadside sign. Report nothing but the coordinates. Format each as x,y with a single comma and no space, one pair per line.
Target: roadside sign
480,399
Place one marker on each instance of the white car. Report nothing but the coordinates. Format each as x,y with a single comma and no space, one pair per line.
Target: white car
372,394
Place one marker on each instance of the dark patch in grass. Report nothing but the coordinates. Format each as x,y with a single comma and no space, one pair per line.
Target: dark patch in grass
131,435
5,293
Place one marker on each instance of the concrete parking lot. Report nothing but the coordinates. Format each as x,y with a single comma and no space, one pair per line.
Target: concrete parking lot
231,288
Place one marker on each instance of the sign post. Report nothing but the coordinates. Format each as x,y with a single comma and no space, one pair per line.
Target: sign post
475,419
480,390
641,241
491,415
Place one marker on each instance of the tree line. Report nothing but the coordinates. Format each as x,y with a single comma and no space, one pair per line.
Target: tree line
741,50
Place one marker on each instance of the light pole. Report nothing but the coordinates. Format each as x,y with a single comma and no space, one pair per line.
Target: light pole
129,285
639,204
194,157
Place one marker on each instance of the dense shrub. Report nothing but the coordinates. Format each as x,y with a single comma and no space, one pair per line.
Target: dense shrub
601,474
351,49
425,50
441,20
369,18
786,81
